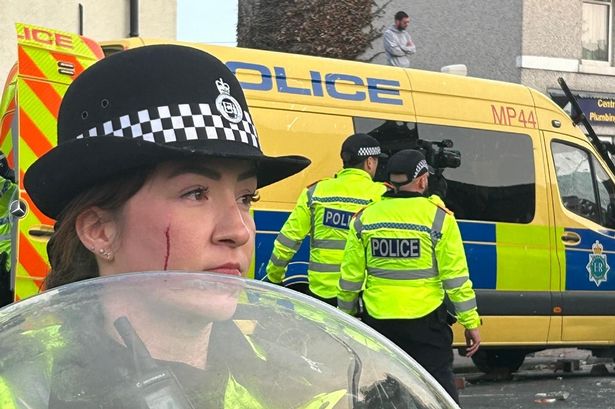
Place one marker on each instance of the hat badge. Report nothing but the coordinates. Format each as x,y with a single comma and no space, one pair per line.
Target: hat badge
226,104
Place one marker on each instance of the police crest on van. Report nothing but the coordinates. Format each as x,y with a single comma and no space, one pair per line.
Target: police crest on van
597,267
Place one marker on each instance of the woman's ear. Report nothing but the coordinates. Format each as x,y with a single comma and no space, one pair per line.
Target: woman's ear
98,232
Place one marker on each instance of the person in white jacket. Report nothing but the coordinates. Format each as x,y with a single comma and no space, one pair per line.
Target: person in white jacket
398,43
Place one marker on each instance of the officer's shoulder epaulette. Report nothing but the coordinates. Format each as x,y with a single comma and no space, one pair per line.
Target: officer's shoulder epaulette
439,203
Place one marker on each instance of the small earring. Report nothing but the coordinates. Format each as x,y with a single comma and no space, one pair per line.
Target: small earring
106,254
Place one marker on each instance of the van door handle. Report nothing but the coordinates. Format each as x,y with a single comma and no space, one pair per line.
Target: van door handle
571,238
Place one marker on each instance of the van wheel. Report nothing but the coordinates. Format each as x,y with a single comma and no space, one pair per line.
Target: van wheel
496,360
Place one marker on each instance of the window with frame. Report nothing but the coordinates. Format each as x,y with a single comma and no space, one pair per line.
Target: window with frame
596,30
584,186
496,178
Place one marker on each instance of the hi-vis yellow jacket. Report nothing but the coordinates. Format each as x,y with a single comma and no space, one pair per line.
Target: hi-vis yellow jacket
30,387
7,195
323,211
405,251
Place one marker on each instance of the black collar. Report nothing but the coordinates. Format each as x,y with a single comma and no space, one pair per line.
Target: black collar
402,194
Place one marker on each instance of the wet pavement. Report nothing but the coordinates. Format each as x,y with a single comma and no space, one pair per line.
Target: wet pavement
541,383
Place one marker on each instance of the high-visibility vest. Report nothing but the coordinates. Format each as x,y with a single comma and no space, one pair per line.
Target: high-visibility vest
323,211
405,252
30,386
8,191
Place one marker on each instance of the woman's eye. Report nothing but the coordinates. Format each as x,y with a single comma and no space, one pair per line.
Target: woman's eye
196,194
248,199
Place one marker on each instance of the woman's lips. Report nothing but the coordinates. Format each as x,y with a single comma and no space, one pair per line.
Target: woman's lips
229,269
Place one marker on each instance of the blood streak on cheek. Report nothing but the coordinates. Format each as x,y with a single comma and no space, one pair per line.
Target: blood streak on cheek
168,253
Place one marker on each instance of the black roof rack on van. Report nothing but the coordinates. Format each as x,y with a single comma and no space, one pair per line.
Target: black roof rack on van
577,116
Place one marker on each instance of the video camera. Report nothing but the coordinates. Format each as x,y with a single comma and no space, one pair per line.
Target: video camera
396,135
439,154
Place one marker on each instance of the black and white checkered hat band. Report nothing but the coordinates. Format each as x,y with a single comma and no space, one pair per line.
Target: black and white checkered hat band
422,165
369,151
177,123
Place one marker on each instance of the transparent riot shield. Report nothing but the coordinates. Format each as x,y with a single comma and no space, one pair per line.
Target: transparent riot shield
177,340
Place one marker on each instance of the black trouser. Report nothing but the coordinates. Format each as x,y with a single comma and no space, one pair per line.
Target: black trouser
428,340
330,301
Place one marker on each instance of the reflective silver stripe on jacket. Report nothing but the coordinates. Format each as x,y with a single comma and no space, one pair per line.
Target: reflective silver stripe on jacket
462,306
436,226
350,285
402,274
278,262
348,305
454,282
358,225
329,244
288,242
324,267
310,204
436,234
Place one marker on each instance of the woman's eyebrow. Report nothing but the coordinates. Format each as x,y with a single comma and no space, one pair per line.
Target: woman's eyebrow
199,170
247,174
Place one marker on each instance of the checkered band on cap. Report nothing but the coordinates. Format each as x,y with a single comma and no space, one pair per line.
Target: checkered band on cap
369,151
177,123
419,167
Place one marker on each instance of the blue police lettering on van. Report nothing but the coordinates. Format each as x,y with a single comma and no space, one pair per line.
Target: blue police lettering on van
396,248
316,83
379,90
336,218
263,73
331,80
375,91
280,75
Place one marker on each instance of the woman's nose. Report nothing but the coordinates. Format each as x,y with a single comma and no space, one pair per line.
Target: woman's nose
231,227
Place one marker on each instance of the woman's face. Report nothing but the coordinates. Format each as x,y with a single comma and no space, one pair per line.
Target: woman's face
190,216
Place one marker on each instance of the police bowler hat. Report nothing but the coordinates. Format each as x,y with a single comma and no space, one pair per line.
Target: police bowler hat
358,147
145,106
408,162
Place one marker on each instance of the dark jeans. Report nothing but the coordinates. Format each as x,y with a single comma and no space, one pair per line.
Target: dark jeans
427,339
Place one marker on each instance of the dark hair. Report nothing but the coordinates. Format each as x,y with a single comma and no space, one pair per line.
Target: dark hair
360,164
70,260
354,164
400,15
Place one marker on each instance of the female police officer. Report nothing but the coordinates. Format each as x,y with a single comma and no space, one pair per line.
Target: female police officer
157,163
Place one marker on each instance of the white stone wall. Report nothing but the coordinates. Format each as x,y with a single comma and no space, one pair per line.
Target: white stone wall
485,35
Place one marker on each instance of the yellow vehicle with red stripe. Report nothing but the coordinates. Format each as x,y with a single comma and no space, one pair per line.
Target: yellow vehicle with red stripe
48,61
535,199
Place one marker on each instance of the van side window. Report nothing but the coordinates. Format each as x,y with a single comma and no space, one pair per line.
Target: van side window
584,186
606,195
496,178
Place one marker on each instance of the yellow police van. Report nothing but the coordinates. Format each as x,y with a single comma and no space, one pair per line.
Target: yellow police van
535,199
